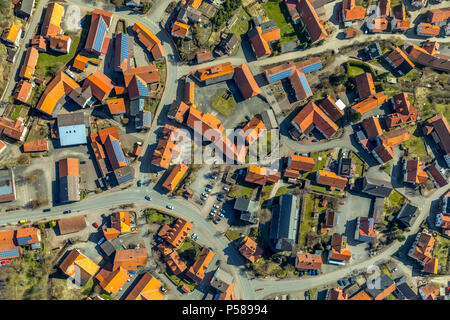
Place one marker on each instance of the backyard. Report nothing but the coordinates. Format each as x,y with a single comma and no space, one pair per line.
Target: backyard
440,251
306,220
359,164
274,11
393,203
242,24
223,105
158,217
240,191
415,144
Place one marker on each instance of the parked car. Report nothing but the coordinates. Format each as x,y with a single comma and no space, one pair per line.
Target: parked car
196,238
220,214
148,198
193,235
101,241
213,177
95,225
315,140
316,272
342,202
205,195
351,280
309,272
208,190
46,210
344,283
212,214
23,221
139,183
223,211
226,189
215,221
214,210
209,186
169,207
340,283
216,206
67,211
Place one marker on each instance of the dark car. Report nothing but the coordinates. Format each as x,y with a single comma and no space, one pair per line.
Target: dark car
139,183
46,210
247,118
351,280
67,211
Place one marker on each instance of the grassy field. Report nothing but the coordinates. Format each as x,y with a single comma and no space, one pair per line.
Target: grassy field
323,155
46,62
444,109
441,251
238,191
155,216
233,234
242,24
189,251
16,112
353,71
395,200
224,106
359,164
273,10
324,189
281,191
415,144
307,220
266,190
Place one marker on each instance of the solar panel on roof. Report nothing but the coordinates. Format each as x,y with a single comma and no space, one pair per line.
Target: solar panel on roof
142,87
100,35
118,151
23,240
124,48
305,84
9,253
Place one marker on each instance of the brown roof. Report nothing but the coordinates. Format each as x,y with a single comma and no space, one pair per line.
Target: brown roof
175,263
311,114
130,259
311,20
22,91
340,250
245,81
331,179
60,42
253,130
438,15
415,172
29,64
330,107
337,294
395,137
149,40
261,176
352,12
372,127
259,45
421,56
404,111
35,146
365,85
398,56
385,7
176,234
197,271
71,225
147,73
250,250
439,125
300,163
189,95
430,291
180,29
307,261
385,153
13,129
203,56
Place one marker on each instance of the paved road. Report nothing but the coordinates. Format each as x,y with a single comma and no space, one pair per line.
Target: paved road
29,33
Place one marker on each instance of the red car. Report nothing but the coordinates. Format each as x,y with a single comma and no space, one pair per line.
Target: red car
3,262
342,202
96,225
8,261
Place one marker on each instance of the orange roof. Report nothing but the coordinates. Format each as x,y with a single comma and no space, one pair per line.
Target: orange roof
340,250
331,179
174,177
259,45
214,71
250,250
175,263
245,81
197,271
80,62
69,167
148,288
310,115
189,92
166,148
180,29
100,84
60,42
362,295
415,171
311,20
379,24
438,15
371,102
297,162
111,282
261,176
253,129
424,28
13,33
337,294
76,262
395,137
22,91
352,12
116,106
29,64
59,87
271,34
179,109
38,145
307,261
210,126
430,291
195,3
149,40
176,234
52,20
130,259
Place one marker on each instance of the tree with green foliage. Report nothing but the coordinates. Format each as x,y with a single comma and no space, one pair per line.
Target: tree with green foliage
355,117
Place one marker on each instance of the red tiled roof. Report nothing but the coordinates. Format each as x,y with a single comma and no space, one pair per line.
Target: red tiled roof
428,29
100,84
370,103
13,129
245,81
404,111
197,271
300,163
116,106
395,137
60,42
311,20
352,12
372,127
179,29
415,172
22,91
29,64
203,56
214,71
38,145
337,294
250,250
311,114
330,107
365,85
340,250
210,127
130,259
307,261
189,94
253,129
261,176
149,40
174,177
80,62
438,15
147,73
259,45
331,179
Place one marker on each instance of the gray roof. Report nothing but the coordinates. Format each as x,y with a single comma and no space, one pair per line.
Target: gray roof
221,280
376,188
268,25
123,174
110,246
403,290
345,167
384,283
378,206
269,119
136,106
407,215
81,96
26,6
283,228
70,119
69,189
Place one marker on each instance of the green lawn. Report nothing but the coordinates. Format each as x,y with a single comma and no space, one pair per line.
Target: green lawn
273,10
395,200
224,106
233,234
306,223
242,24
238,191
47,61
391,297
16,112
281,191
415,144
106,296
444,109
155,216
266,190
441,250
324,189
320,164
359,164
353,71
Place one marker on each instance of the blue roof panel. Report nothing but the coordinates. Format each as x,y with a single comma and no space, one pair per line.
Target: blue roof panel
124,48
142,87
118,151
9,253
305,84
100,35
24,240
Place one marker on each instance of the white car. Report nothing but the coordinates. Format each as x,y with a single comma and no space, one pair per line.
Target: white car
212,214
216,206
213,210
205,195
169,207
208,190
193,235
226,189
220,215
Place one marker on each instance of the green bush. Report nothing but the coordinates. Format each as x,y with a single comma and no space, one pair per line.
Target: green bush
355,117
